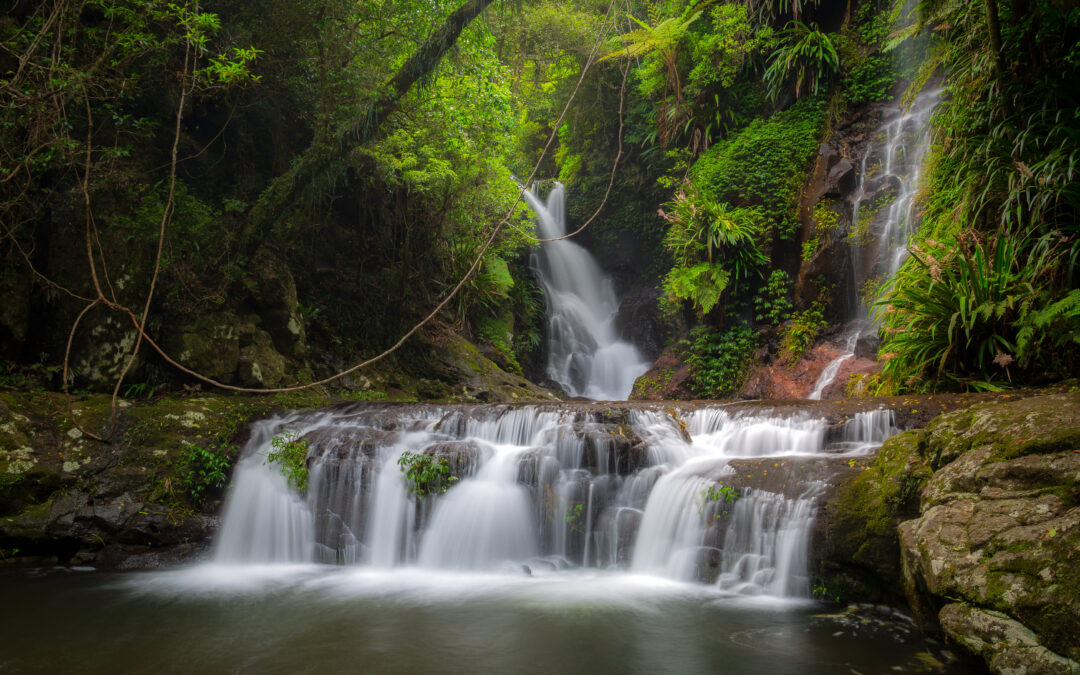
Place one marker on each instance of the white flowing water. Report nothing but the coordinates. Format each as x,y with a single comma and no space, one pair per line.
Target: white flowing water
544,489
906,141
828,374
586,356
894,175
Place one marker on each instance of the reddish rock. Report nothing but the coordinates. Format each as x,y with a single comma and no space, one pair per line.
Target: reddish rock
665,380
853,366
779,380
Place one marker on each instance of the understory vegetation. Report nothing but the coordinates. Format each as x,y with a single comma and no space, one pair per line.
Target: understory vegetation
267,193
989,295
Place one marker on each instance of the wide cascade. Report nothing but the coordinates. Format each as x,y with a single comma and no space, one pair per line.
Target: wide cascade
703,494
586,356
887,182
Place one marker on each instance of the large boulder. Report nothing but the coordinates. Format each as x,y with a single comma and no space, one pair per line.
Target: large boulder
990,560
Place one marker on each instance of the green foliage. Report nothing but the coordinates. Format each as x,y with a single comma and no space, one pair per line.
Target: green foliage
772,10
701,284
720,493
290,453
869,80
203,470
719,360
866,385
712,245
995,295
426,475
805,60
772,304
574,517
868,67
826,219
801,332
968,310
763,167
497,333
718,496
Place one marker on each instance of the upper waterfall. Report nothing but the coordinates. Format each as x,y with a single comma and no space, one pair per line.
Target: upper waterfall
585,354
884,204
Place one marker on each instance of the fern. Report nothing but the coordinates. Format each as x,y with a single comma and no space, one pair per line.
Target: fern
1067,309
701,284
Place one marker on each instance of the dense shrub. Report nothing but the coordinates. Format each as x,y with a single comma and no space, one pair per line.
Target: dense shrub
719,360
765,164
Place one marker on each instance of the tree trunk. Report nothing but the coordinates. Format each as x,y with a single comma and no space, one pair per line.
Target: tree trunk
324,158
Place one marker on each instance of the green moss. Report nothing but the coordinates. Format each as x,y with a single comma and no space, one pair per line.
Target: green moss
865,549
1035,425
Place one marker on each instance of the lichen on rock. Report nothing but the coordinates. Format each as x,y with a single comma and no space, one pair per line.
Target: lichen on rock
1000,530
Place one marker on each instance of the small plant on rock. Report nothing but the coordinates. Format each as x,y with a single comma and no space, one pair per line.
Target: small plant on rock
203,470
801,332
721,494
290,454
426,474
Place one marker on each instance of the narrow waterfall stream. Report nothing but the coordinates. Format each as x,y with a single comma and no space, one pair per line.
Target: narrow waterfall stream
887,181
586,356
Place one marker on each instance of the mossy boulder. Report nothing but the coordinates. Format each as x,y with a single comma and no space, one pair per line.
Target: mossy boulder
260,364
1029,426
273,294
476,378
859,550
1005,644
102,348
134,500
999,529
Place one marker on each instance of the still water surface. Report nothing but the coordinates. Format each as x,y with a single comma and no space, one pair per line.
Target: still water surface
278,619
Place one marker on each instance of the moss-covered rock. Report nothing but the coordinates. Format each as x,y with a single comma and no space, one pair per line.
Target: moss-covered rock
260,364
1032,425
1000,527
1005,644
74,499
209,345
472,377
859,552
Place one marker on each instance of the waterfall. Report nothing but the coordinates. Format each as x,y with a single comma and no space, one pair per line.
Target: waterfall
828,373
586,357
545,488
906,141
893,178
264,520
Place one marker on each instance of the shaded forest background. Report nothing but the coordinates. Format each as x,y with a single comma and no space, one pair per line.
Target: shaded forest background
325,173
